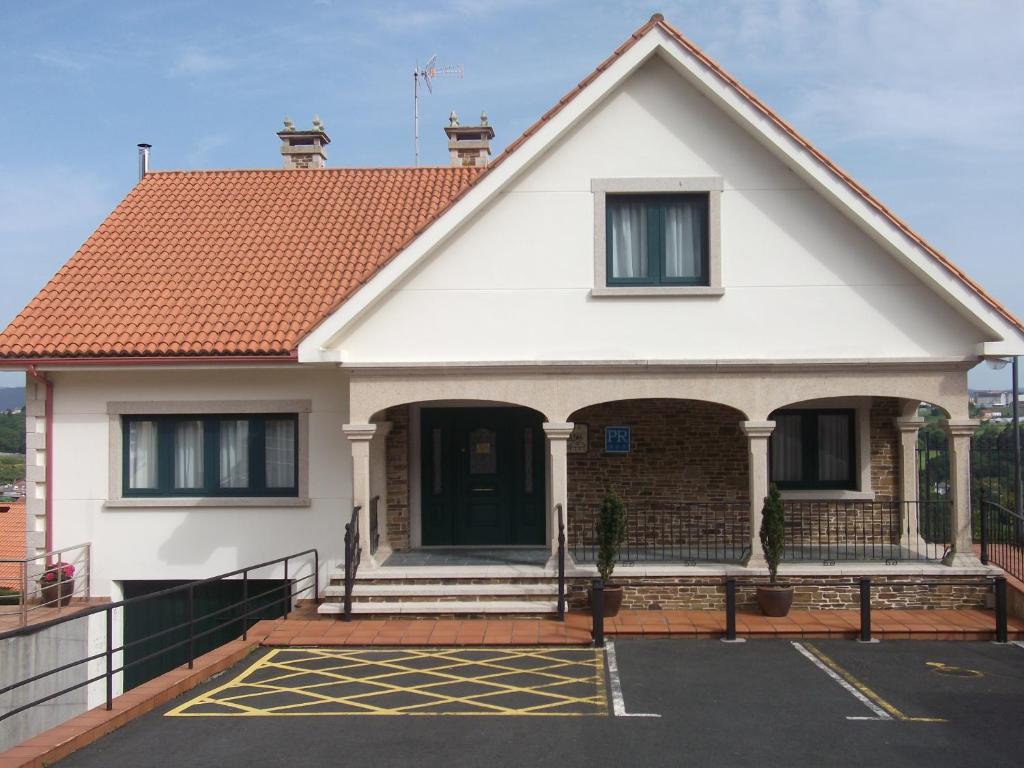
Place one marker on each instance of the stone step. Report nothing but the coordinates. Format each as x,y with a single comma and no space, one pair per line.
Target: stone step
438,576
425,607
406,590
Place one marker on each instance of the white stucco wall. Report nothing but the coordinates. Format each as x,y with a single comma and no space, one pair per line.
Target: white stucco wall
801,280
189,543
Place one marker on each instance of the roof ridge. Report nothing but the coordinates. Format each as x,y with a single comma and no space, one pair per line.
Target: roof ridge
182,171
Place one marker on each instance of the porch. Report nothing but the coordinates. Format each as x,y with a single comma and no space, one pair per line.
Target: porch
451,487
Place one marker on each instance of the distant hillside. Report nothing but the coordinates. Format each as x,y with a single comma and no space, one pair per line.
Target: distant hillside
11,398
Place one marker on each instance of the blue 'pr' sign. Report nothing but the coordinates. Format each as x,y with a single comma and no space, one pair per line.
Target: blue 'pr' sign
616,439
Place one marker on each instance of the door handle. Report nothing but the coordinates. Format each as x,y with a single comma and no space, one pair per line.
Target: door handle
483,490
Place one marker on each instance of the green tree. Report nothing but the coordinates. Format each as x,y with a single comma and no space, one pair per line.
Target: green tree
773,532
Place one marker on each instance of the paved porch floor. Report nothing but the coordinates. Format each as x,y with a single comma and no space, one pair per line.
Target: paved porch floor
306,628
447,556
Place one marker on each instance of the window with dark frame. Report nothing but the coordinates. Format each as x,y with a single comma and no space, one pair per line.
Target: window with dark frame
813,450
210,455
657,239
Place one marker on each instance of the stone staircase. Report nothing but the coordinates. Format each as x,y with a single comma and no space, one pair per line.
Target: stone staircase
443,592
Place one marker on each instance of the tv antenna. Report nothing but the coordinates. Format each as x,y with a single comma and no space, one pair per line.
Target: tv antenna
429,71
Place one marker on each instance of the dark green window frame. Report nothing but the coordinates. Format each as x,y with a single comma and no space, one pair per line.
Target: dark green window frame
166,426
809,456
655,205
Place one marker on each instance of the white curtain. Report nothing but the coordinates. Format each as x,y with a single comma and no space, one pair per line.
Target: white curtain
234,453
833,447
188,454
280,453
142,463
684,238
787,448
629,239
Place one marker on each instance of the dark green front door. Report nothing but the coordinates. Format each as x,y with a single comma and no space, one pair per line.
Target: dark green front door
483,476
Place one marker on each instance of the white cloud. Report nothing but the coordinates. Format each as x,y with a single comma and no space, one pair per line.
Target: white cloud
887,69
194,62
43,199
199,154
60,60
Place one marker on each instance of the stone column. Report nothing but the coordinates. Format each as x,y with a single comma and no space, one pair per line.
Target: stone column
379,486
757,433
558,475
960,432
360,436
909,426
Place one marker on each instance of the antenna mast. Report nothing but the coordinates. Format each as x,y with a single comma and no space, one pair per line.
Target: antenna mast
429,71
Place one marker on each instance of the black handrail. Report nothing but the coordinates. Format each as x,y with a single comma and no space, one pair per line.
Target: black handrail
561,562
374,525
108,608
1002,537
352,553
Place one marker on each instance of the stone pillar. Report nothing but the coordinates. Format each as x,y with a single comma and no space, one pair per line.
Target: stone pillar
960,432
360,436
909,426
558,475
757,433
379,486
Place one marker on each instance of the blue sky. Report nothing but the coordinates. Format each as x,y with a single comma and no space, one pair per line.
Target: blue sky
921,101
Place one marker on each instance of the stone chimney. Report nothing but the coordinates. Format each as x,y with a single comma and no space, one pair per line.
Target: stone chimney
304,149
469,145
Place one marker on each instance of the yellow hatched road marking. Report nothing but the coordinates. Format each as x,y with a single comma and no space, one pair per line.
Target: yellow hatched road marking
559,667
864,689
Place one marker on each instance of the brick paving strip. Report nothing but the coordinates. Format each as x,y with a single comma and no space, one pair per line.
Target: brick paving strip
304,628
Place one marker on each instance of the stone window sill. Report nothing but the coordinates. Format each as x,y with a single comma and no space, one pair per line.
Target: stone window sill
207,501
827,495
626,291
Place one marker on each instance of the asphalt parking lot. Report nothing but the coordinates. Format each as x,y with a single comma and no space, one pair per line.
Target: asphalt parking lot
642,702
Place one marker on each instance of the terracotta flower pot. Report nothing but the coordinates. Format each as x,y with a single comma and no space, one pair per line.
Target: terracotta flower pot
54,592
612,600
775,600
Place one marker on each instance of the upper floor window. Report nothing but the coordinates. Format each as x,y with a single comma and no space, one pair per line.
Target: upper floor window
814,449
657,239
210,455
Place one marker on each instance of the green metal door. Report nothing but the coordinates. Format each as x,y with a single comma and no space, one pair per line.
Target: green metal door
482,476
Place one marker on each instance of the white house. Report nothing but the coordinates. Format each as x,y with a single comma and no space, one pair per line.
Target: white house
660,289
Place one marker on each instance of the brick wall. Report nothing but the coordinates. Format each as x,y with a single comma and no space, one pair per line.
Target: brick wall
684,480
397,460
885,448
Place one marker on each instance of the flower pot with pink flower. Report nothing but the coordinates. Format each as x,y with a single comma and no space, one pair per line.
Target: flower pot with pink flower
57,584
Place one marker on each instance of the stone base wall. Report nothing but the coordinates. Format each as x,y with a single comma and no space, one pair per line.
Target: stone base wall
697,593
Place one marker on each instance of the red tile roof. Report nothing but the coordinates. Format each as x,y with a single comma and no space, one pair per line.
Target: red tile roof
12,541
228,262
241,263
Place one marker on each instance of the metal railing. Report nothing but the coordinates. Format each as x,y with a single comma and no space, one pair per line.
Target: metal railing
858,531
561,562
864,600
352,553
676,532
1002,538
374,525
34,594
289,590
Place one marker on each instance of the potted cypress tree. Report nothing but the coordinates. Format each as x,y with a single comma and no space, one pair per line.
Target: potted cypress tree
611,535
774,599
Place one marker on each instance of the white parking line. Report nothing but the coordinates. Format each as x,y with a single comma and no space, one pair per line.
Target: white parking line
880,713
618,703
1018,643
